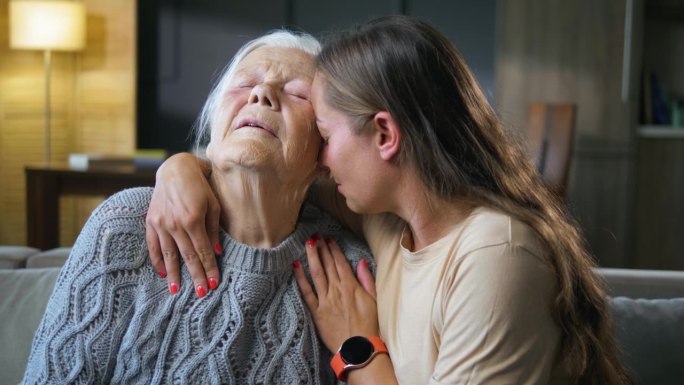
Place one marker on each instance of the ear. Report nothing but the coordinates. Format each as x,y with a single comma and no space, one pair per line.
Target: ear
387,135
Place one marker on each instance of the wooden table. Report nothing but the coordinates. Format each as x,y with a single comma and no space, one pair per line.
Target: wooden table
45,184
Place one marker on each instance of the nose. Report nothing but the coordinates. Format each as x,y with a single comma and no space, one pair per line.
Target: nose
264,95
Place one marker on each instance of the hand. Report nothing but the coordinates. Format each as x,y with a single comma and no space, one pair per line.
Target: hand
341,307
184,215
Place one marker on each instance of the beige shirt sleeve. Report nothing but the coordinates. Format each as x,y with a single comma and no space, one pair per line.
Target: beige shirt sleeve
495,324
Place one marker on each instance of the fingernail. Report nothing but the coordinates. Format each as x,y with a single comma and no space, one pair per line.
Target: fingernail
162,274
201,291
364,262
217,248
311,243
329,241
173,288
213,283
296,264
316,237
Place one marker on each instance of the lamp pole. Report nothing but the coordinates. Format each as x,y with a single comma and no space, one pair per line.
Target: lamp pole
47,56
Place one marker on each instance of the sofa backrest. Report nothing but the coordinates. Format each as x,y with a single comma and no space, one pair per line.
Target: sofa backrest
25,293
648,308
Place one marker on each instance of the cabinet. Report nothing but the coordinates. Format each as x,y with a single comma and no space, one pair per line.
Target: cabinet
583,52
626,186
659,198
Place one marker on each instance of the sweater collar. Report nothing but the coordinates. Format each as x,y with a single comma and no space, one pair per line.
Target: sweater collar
239,256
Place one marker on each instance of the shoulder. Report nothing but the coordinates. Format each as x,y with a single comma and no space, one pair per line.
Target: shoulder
122,214
133,200
130,203
314,220
486,227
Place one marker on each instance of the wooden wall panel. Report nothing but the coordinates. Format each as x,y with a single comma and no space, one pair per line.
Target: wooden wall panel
572,51
92,104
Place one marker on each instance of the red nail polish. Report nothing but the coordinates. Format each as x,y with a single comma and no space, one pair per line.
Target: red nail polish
201,291
329,241
296,264
162,274
311,243
173,288
217,248
316,237
213,283
364,262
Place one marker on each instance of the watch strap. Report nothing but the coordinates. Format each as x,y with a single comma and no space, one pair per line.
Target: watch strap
341,368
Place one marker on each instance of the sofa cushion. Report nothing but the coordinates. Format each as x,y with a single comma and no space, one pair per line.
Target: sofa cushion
12,257
651,338
49,258
25,293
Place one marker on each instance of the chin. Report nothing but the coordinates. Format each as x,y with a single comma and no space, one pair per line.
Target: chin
355,206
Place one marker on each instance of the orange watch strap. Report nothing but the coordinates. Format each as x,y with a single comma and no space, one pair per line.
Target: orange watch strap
340,367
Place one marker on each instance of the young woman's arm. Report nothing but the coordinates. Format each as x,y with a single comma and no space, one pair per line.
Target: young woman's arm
342,306
183,218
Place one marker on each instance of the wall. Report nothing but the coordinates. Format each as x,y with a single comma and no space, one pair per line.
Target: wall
572,51
169,68
183,45
93,109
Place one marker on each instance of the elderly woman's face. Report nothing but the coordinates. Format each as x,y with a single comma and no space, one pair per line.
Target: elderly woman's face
266,120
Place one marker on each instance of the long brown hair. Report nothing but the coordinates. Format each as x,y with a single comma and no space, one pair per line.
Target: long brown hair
454,138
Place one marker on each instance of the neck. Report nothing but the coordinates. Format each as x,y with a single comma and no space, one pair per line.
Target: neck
429,217
256,209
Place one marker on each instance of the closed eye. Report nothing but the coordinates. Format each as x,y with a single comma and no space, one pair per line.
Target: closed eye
297,89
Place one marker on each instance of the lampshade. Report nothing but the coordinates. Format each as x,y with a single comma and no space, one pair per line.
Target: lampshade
47,25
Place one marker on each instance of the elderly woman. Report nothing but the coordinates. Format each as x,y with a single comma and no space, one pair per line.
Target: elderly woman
109,321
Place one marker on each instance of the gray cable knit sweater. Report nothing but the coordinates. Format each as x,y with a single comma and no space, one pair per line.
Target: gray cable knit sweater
111,319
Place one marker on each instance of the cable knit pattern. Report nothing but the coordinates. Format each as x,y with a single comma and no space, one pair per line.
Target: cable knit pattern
112,320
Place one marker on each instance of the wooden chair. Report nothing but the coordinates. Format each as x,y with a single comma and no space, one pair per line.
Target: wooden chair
551,137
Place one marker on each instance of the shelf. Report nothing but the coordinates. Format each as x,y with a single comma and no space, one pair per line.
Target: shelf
661,132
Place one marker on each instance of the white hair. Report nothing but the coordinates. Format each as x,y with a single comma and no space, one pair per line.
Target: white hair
277,38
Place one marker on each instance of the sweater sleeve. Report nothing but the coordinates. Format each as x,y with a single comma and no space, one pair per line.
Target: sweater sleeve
77,337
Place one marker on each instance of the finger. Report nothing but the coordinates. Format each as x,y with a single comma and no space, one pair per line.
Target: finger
327,260
154,250
213,217
205,252
192,262
308,294
365,278
320,281
342,266
171,261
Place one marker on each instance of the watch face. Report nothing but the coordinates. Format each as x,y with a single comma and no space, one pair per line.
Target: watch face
356,350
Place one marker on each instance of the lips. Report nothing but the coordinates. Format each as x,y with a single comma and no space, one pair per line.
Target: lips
252,122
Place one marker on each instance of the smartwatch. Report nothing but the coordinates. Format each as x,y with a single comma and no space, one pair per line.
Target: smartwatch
356,352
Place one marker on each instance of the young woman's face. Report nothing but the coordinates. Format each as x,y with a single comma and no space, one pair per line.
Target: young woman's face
350,157
266,119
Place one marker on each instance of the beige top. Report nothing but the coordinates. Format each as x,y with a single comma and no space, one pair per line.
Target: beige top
471,308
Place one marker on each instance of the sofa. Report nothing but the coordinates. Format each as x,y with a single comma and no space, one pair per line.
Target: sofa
648,307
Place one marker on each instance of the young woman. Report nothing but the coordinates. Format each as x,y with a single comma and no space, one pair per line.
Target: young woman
482,277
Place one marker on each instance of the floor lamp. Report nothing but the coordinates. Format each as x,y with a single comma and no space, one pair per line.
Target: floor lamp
47,26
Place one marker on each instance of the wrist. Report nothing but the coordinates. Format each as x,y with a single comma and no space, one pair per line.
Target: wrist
355,353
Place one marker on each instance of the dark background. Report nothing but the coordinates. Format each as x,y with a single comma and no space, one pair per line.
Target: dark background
184,44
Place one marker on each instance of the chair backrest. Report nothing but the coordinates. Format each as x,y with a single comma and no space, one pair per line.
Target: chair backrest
551,137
